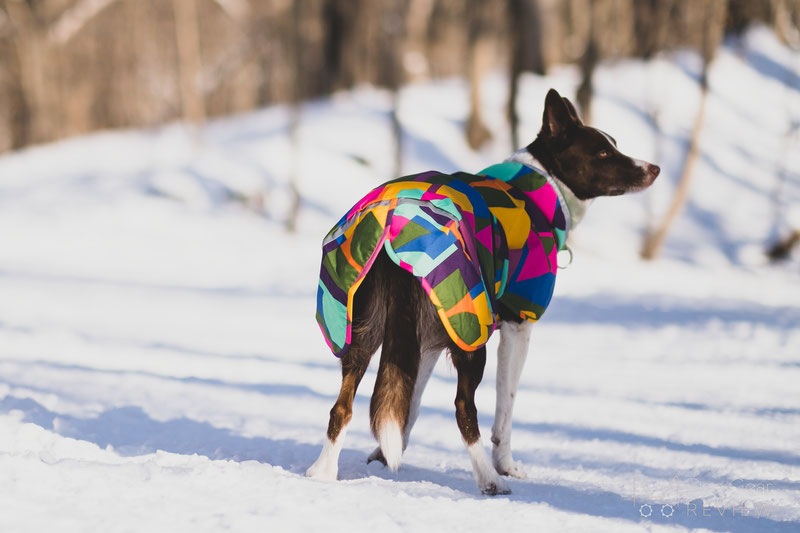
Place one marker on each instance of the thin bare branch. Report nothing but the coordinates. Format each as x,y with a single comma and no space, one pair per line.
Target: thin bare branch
75,18
237,10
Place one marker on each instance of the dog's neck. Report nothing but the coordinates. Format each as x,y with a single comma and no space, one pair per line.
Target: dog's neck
574,208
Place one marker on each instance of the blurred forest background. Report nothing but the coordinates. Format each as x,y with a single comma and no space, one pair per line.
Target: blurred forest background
73,66
69,67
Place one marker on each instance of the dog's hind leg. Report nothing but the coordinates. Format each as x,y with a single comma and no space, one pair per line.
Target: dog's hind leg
354,364
511,355
391,402
469,366
367,330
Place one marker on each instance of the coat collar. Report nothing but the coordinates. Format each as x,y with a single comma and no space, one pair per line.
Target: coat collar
574,208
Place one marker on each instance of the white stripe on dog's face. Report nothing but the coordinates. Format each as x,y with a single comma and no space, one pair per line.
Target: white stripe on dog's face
644,165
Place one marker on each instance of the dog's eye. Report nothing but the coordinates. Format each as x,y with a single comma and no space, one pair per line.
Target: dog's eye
602,154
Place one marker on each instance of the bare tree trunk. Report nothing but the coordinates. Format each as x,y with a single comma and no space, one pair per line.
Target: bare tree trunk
654,241
786,21
580,21
609,32
20,119
588,64
715,15
340,17
477,132
651,26
526,53
397,133
18,106
417,38
393,32
30,45
297,92
516,32
137,106
294,171
189,63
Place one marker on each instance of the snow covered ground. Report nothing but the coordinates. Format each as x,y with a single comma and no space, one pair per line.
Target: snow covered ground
161,369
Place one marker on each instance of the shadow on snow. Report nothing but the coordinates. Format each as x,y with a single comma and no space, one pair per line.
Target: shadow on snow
131,431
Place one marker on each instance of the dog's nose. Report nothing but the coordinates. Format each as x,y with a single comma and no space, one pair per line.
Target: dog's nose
654,170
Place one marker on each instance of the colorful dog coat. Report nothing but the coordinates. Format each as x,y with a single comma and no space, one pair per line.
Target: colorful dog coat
474,242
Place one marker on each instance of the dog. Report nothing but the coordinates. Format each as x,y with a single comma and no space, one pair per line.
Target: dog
436,262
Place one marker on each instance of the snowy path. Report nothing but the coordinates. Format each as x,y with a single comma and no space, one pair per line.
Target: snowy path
684,405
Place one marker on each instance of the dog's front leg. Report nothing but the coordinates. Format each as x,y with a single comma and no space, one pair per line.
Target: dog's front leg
511,354
469,366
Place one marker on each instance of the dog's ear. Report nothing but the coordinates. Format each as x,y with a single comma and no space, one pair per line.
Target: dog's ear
572,112
557,119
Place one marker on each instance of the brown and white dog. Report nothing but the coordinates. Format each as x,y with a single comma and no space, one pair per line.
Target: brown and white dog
392,309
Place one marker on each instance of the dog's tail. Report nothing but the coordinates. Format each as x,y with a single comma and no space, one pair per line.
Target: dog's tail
400,357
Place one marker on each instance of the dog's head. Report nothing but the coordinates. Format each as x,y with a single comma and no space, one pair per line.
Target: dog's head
585,159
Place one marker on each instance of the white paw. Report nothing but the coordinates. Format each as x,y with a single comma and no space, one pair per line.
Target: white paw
326,466
509,467
505,465
495,486
324,474
323,469
488,480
